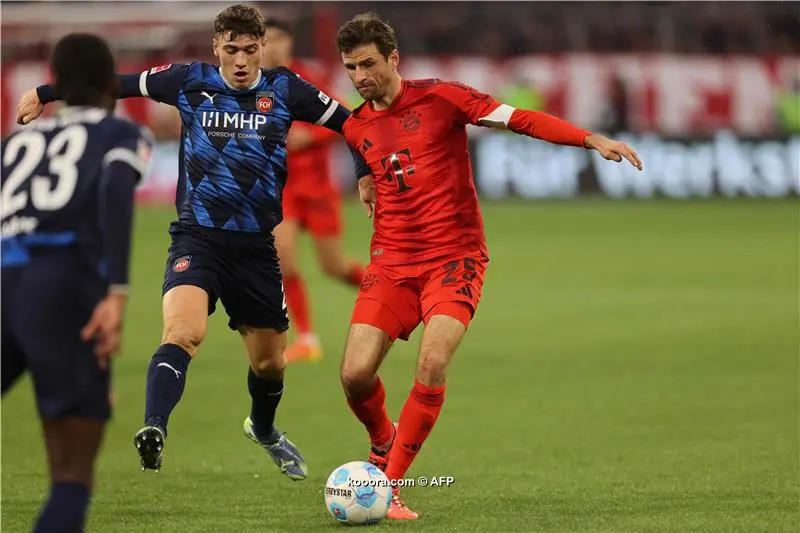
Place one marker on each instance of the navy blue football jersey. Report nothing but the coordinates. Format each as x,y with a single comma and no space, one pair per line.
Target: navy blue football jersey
55,178
233,149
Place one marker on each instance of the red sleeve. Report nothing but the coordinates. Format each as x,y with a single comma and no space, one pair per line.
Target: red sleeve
470,104
547,128
480,109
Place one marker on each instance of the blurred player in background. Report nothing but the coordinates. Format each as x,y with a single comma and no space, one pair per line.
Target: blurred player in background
68,191
428,250
236,117
310,203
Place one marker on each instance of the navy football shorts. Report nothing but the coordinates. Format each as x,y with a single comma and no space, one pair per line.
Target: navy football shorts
239,269
45,304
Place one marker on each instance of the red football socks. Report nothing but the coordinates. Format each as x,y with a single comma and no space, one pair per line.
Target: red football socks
355,275
417,419
297,302
371,411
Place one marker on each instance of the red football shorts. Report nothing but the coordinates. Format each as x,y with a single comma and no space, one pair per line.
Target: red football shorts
396,299
320,216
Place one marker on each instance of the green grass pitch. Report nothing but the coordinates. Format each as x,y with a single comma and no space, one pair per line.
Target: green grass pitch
633,366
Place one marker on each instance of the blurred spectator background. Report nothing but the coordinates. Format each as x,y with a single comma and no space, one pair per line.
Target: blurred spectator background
681,70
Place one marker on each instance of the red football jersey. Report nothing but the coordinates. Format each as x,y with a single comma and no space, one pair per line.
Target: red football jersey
427,206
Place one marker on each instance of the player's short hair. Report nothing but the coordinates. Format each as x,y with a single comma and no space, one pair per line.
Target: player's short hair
83,68
279,24
367,28
241,19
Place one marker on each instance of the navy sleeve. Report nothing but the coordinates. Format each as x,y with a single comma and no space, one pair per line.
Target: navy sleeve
124,165
309,104
128,86
162,84
362,168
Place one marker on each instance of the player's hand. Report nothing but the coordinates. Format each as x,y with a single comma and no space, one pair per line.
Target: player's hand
366,192
612,150
105,328
29,107
299,138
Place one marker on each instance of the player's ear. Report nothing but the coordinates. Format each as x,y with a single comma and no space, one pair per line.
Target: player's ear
394,58
215,46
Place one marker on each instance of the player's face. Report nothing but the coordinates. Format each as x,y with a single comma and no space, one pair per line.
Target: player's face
239,58
278,48
370,72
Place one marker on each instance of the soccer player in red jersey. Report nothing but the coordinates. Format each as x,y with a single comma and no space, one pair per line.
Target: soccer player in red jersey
428,250
310,203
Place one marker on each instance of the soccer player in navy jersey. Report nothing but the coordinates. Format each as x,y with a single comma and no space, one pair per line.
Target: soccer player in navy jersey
236,117
67,207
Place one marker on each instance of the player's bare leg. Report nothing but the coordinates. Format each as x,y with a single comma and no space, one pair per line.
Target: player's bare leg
185,318
306,346
72,447
440,340
335,263
364,352
265,351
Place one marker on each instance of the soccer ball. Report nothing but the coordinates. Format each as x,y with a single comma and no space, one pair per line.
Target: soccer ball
358,493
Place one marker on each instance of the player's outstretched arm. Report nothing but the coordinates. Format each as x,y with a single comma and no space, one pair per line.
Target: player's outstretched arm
481,109
553,129
32,103
161,84
309,104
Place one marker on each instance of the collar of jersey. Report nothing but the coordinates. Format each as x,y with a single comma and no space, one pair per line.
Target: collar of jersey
395,102
72,109
252,86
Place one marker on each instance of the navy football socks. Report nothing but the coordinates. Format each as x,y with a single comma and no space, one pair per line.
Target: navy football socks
166,379
266,395
65,510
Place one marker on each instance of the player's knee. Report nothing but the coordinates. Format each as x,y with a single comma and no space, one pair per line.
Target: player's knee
363,354
71,468
187,337
288,264
331,260
289,270
357,375
269,364
432,367
333,267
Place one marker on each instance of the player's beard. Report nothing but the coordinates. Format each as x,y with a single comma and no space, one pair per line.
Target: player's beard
370,92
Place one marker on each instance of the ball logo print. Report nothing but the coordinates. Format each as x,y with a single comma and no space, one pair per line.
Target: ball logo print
358,493
182,264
